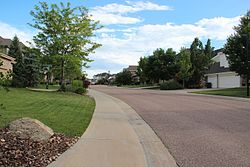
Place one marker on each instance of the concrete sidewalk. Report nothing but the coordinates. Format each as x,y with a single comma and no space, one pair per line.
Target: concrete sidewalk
116,137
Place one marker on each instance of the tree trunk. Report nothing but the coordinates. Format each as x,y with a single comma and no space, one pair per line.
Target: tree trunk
62,75
183,83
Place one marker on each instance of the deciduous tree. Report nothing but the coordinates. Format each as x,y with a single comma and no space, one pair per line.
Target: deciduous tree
64,34
185,65
236,47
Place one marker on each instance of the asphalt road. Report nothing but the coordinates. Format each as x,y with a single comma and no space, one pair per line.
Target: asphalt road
199,131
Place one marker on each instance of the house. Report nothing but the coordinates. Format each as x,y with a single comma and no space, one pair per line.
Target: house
133,70
5,45
7,63
219,74
100,78
111,78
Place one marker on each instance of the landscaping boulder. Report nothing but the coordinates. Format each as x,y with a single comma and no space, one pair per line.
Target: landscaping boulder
27,128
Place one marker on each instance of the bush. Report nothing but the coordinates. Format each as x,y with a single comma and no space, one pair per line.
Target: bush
80,90
77,83
170,85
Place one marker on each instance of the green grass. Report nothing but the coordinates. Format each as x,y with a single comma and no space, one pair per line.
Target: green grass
235,92
65,113
43,86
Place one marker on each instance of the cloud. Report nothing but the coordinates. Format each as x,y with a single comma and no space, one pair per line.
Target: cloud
219,27
108,18
114,13
126,49
8,31
131,7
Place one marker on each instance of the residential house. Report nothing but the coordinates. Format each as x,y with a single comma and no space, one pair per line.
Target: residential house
5,45
7,63
111,78
133,70
102,77
219,74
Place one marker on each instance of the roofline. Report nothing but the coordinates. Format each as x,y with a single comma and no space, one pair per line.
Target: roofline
7,57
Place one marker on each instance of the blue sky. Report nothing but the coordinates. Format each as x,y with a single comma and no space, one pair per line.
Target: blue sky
133,29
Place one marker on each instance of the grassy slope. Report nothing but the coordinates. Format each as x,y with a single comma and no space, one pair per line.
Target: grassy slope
64,112
236,92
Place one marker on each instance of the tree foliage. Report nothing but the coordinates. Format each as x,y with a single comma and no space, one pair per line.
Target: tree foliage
26,68
236,46
141,73
185,65
64,35
159,66
200,59
124,78
19,67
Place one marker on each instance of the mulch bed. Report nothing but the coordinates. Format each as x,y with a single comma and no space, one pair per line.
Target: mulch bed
18,152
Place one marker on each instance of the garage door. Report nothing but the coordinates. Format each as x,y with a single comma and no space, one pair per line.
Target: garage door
212,79
229,81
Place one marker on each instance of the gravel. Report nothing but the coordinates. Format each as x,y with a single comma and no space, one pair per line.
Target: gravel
16,151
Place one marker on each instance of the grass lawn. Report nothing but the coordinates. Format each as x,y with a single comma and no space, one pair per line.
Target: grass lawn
236,92
65,113
43,86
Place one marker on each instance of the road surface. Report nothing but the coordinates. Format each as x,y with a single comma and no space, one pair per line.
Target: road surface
199,131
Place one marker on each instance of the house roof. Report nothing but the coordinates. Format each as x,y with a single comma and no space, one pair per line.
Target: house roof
216,68
132,68
4,56
7,42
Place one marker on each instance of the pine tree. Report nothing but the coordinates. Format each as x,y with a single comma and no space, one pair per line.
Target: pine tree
18,68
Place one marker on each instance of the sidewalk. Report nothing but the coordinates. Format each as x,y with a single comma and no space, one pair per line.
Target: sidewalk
116,137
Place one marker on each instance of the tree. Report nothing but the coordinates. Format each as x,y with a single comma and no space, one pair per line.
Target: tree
15,49
19,67
161,65
31,63
208,51
200,61
124,78
64,34
168,66
26,68
141,70
236,46
185,65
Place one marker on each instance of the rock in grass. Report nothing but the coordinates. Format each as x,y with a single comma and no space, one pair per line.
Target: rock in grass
31,128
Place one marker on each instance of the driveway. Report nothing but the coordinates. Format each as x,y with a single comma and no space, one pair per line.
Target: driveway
199,131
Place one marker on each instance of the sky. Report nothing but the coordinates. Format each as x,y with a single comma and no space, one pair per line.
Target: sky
135,28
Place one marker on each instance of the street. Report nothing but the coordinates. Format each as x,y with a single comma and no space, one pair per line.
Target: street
199,131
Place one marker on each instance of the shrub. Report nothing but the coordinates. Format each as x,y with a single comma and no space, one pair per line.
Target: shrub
80,90
77,83
170,85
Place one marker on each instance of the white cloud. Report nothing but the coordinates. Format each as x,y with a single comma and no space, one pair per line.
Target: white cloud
141,41
218,27
8,31
131,7
114,13
108,18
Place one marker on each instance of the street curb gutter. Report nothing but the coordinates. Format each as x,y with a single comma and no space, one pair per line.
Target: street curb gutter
157,155
116,137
